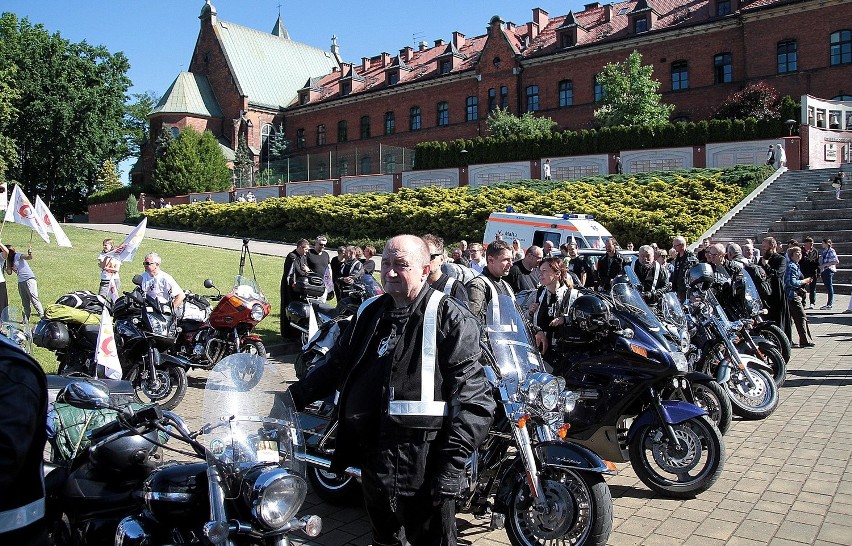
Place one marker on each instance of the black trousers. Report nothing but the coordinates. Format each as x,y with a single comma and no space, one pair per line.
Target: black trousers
424,524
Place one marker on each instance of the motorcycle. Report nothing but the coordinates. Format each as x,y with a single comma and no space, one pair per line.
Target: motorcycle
703,390
620,366
246,489
746,379
308,313
209,335
531,480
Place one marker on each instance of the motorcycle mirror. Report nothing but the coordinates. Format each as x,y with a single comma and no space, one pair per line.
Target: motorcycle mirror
208,283
137,279
89,395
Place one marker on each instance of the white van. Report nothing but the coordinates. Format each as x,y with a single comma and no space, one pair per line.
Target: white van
535,229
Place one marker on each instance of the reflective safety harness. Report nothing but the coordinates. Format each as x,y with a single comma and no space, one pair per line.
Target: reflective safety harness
448,287
17,518
494,304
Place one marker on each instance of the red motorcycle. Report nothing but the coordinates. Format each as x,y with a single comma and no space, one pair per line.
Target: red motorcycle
209,334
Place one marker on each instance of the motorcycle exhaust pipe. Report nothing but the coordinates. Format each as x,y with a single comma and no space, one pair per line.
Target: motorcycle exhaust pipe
325,464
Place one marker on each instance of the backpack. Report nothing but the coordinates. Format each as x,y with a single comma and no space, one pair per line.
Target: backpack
761,279
85,300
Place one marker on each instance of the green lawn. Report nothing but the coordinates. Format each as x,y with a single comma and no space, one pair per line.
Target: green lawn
61,270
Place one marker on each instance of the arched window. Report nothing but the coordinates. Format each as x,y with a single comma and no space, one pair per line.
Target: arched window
265,132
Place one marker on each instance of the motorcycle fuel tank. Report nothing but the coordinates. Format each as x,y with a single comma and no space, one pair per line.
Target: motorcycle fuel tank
177,494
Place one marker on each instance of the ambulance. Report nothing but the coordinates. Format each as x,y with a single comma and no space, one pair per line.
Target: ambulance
535,229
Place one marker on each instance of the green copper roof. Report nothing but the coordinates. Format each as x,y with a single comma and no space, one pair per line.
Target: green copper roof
189,94
270,69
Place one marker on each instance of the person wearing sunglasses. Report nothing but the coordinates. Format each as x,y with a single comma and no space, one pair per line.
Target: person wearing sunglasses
160,285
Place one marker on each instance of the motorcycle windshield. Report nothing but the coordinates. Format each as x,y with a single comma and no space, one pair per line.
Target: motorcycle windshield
752,296
247,289
247,427
631,274
673,310
511,345
14,326
626,297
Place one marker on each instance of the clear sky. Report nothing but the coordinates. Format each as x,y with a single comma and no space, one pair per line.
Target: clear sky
158,36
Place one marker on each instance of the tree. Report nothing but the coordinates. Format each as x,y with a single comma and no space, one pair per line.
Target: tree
8,114
630,95
278,145
242,162
192,162
164,138
108,177
757,100
71,107
502,123
136,124
131,208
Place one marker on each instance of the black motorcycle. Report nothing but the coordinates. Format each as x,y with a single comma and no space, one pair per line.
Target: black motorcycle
246,489
307,314
620,363
526,476
747,380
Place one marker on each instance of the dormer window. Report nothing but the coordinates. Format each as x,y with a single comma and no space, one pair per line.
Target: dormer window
446,66
723,7
640,25
566,39
346,88
393,77
304,98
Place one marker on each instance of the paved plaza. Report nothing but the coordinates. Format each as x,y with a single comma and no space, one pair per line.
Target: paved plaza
787,479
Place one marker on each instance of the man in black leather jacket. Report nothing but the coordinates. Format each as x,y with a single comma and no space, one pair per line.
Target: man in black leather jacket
683,261
414,402
23,407
653,276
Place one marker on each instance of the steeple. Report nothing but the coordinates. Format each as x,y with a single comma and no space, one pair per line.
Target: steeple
280,30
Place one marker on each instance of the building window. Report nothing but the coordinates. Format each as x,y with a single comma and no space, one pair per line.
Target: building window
304,98
393,77
342,131
532,98
365,126
841,47
640,25
787,56
414,119
389,161
265,132
834,119
723,71
811,117
820,119
492,99
342,168
443,114
345,88
175,132
599,90
320,135
566,93
300,139
504,96
566,39
471,108
446,66
680,76
723,7
390,123
366,165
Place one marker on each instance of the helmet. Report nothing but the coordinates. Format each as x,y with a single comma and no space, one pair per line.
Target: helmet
590,313
128,452
701,276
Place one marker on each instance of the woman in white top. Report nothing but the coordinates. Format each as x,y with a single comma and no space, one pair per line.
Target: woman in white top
15,262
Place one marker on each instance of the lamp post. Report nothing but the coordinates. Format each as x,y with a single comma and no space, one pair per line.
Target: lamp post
790,123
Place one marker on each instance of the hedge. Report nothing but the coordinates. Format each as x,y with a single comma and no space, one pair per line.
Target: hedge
439,155
640,208
109,196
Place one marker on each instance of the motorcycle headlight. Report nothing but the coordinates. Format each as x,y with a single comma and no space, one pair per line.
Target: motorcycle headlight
680,361
276,497
256,312
543,390
568,401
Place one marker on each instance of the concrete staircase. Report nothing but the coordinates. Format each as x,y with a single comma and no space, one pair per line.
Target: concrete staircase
795,205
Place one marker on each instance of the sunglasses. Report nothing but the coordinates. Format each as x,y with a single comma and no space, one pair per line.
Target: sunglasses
433,256
150,263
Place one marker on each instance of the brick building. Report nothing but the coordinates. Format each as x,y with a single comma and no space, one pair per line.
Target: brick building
701,51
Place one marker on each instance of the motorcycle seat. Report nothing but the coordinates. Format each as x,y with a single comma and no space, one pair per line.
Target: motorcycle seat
324,308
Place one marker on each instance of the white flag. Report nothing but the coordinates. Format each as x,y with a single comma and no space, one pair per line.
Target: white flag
50,223
21,211
113,289
126,250
327,279
107,355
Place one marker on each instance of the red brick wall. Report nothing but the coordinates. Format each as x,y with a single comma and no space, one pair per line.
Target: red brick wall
107,213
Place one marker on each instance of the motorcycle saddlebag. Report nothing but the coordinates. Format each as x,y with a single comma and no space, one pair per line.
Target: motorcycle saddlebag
83,299
312,286
72,315
196,308
51,335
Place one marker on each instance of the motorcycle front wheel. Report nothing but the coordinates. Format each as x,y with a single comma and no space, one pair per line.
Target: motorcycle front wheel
752,402
775,360
247,375
166,389
712,398
679,471
777,336
577,510
334,488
